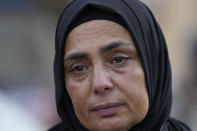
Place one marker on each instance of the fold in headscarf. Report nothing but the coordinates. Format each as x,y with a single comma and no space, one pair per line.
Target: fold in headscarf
151,47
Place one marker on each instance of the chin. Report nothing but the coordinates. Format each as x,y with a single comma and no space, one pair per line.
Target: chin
110,126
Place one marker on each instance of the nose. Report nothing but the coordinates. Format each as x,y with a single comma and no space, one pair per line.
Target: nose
101,81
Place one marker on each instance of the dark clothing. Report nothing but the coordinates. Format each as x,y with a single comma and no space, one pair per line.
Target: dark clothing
151,47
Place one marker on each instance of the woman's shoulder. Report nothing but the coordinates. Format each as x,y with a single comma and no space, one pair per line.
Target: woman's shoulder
172,124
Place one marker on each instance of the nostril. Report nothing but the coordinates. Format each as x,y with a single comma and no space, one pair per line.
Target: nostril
102,90
96,91
106,89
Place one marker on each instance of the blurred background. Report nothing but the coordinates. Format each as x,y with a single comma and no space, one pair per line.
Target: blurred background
27,32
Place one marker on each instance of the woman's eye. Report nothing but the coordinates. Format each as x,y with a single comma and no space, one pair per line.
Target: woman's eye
119,60
77,69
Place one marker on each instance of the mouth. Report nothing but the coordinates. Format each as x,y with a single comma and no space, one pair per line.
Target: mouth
107,109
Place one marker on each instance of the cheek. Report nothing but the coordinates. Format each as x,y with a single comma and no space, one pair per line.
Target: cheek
133,87
137,85
137,92
131,79
76,90
78,93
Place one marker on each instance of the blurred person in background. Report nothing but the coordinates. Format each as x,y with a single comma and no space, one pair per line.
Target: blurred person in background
112,70
15,117
27,102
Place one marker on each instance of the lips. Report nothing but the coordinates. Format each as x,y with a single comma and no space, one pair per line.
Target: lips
107,109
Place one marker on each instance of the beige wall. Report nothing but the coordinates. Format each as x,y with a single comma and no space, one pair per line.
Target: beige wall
178,19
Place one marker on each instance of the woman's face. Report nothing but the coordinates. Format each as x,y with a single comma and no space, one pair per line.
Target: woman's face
104,77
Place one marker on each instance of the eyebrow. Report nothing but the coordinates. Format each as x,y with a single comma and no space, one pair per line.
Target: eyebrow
110,46
74,56
113,45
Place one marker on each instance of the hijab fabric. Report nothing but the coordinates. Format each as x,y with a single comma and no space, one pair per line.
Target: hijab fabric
150,43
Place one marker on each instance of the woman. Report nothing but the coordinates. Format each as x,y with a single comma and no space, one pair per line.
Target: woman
112,71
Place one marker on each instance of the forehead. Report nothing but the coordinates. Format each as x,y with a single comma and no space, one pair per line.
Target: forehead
96,33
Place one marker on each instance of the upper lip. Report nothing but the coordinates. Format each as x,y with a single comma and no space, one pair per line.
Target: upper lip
105,106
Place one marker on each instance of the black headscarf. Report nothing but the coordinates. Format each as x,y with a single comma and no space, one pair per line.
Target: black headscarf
150,45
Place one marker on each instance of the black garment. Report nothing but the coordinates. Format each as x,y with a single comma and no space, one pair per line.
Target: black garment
150,45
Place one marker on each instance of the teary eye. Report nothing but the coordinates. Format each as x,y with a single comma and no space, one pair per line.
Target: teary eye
119,60
78,68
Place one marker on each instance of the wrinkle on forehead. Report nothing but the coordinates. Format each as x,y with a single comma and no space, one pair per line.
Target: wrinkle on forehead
96,28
